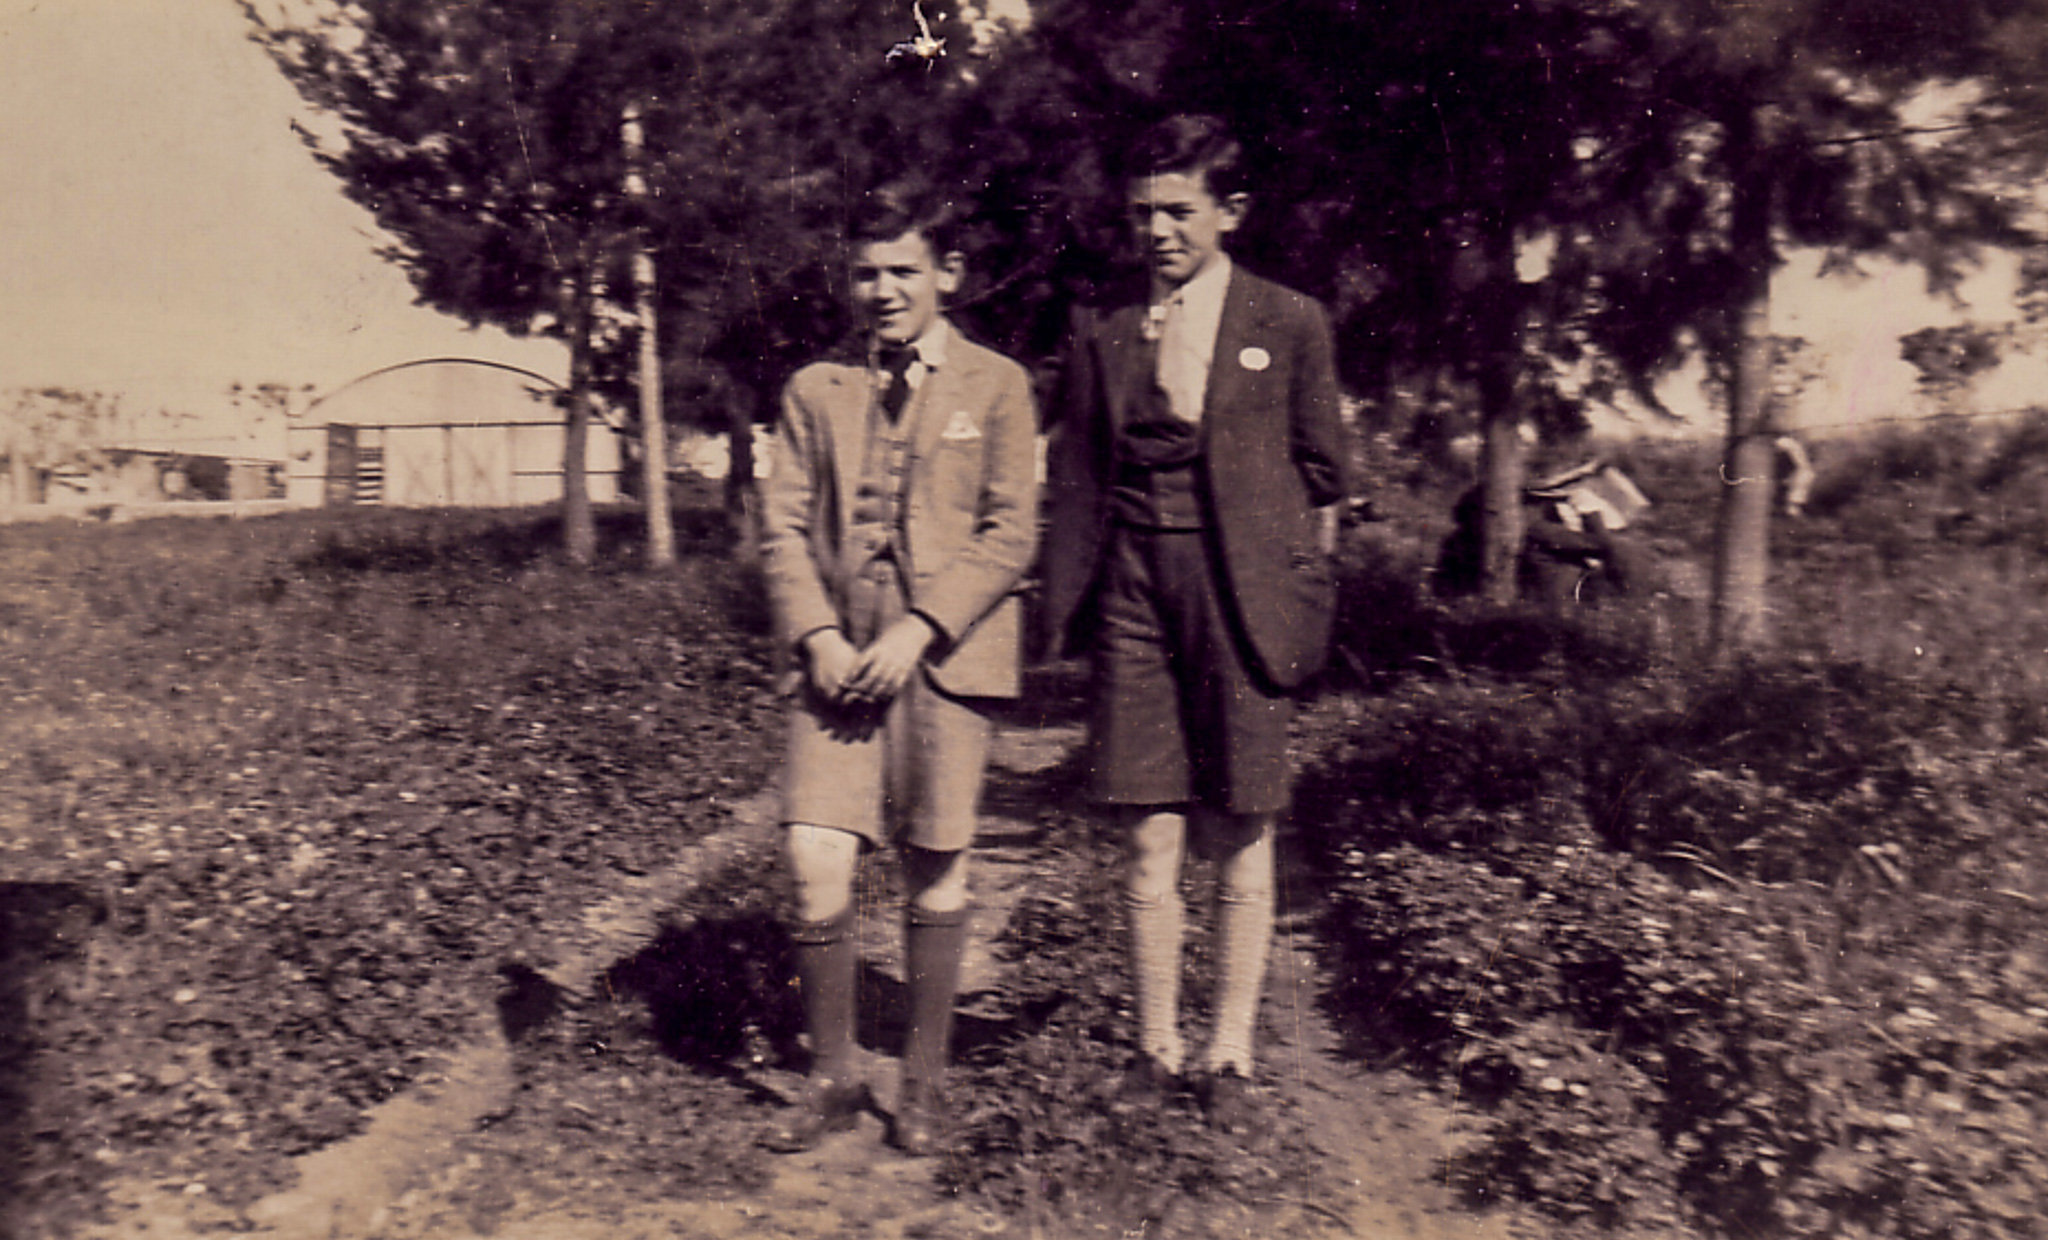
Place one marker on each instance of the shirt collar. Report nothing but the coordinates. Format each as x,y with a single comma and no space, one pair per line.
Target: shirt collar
1206,290
930,347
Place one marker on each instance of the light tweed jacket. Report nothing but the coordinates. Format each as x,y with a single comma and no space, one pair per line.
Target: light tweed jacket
970,524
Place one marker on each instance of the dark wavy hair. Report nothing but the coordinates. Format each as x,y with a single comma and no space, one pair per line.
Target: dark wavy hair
1192,145
894,208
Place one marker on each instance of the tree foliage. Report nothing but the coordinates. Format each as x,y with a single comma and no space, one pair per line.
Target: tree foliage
43,429
482,137
1662,155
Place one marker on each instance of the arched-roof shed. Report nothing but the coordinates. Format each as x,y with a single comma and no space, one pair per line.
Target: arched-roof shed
442,432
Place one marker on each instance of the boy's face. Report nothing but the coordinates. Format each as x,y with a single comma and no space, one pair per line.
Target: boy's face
898,285
1180,224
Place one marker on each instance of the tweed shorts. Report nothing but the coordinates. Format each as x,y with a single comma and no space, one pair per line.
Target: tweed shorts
1179,717
909,771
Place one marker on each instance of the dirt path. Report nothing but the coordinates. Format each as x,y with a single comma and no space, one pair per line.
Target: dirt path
407,1177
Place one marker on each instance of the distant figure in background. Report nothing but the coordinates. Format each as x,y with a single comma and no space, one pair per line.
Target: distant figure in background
1461,561
1575,535
1574,525
1795,475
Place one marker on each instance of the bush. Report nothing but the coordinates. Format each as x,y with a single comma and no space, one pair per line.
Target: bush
1796,771
1753,953
1758,1059
318,783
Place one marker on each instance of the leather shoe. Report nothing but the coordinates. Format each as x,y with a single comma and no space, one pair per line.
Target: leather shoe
1147,1082
826,1107
917,1125
1227,1101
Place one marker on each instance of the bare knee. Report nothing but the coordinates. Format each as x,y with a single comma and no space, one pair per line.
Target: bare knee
1155,843
937,880
822,859
1245,869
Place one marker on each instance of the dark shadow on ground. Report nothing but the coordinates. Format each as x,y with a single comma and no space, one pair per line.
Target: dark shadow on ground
44,929
721,995
884,1018
719,991
528,1002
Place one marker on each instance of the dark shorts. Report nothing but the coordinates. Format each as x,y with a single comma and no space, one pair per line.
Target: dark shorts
1180,719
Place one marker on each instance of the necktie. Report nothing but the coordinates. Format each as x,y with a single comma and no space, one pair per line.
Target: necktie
895,362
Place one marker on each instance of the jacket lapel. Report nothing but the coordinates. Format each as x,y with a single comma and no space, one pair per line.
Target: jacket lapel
847,422
1126,363
936,399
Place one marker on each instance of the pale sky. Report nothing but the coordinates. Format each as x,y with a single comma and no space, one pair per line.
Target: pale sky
162,232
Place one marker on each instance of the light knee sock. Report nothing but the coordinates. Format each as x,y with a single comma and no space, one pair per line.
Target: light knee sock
1157,843
1245,927
1157,922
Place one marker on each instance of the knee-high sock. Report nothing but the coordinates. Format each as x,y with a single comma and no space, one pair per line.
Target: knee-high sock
827,958
1158,917
1245,926
933,944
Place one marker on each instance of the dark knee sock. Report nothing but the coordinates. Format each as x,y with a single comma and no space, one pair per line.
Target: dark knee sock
826,961
934,943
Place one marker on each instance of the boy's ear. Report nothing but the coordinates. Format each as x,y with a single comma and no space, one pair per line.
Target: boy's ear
952,269
1233,208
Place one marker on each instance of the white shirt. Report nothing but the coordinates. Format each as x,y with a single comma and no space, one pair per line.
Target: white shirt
1187,322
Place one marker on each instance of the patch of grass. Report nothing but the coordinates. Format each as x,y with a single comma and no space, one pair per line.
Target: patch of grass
316,778
1047,1133
1745,951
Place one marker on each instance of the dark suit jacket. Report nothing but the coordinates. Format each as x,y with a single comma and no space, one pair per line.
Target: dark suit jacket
1273,453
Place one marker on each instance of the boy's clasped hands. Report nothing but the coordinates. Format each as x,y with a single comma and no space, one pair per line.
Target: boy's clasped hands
853,677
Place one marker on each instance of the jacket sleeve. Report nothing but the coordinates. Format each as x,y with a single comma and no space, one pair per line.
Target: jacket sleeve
792,497
1005,534
1316,418
1074,498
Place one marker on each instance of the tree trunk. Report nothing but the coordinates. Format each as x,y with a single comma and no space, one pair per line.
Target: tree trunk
1503,524
19,469
1740,616
741,511
1504,461
661,534
579,530
661,531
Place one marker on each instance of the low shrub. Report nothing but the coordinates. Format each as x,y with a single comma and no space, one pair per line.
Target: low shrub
1760,1059
1764,963
1794,771
1751,952
318,776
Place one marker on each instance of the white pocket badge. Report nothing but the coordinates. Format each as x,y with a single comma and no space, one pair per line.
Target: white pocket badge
1254,358
961,427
